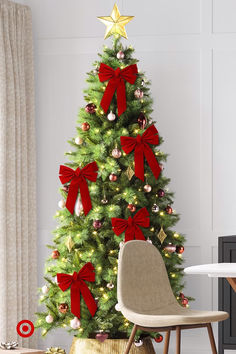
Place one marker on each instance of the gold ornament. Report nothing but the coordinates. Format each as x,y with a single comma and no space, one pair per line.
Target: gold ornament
115,23
53,350
162,235
69,243
129,172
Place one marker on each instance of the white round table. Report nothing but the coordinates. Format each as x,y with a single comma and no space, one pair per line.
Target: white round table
216,270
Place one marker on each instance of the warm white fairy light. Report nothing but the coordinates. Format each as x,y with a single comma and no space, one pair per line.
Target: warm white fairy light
162,213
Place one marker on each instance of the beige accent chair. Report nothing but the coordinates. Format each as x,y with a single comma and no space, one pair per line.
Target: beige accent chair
146,299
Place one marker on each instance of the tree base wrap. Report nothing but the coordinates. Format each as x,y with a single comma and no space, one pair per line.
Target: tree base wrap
109,346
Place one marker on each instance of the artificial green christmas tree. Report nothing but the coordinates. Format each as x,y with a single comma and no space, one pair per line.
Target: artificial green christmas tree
113,185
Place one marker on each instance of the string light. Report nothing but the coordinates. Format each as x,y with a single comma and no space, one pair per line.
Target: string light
105,296
180,255
124,154
112,251
97,130
161,213
94,232
167,255
102,167
64,325
117,189
81,329
99,268
78,235
142,101
136,131
101,289
173,275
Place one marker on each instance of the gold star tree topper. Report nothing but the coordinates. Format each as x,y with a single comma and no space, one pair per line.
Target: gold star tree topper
115,23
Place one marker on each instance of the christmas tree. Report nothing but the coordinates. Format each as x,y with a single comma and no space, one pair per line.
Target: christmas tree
113,190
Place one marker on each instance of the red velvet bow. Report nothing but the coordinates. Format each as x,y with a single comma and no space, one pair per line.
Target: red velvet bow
116,83
132,226
78,182
77,285
141,148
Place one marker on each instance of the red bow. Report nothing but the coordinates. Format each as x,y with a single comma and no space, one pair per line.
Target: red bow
77,285
141,149
117,80
132,226
78,182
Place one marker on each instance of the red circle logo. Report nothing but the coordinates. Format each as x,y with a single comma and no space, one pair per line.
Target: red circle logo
25,328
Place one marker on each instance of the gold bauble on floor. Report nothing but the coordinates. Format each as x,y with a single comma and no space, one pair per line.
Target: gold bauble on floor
109,346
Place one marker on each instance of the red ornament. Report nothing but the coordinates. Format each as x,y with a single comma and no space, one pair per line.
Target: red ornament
79,287
170,248
113,177
77,179
116,84
169,210
131,207
55,254
141,146
85,126
90,108
184,301
160,193
132,225
158,339
101,337
142,121
63,308
97,224
180,249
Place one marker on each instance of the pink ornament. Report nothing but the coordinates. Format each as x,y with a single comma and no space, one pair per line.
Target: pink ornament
116,153
78,206
138,94
111,116
75,323
170,248
97,224
101,337
120,55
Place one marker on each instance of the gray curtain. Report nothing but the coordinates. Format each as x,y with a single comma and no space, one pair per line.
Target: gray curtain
17,172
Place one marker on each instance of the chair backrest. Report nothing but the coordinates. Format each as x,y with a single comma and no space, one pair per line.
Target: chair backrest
143,283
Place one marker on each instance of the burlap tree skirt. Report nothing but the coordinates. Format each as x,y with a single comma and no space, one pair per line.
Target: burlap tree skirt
109,346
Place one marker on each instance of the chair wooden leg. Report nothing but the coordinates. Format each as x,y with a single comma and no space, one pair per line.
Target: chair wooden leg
131,339
212,340
178,339
167,341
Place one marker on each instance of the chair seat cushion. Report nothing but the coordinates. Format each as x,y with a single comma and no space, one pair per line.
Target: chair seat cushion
173,316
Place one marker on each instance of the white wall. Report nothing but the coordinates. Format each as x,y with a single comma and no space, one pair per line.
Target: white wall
188,49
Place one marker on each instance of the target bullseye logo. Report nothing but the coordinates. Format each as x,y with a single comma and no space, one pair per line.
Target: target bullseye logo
25,328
